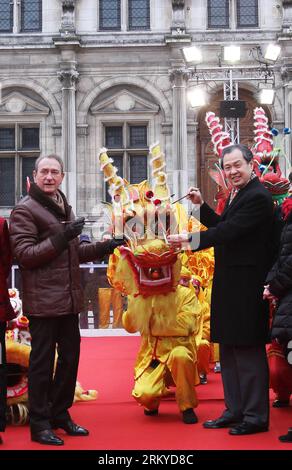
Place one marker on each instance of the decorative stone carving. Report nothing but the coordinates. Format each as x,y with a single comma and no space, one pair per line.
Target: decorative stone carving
287,16
15,105
178,3
68,18
179,74
178,25
124,102
18,103
68,78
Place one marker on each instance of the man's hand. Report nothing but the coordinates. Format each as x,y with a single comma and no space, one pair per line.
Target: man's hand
113,243
74,229
179,240
195,196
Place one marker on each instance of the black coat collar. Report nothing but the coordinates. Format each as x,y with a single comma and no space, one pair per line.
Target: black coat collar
38,195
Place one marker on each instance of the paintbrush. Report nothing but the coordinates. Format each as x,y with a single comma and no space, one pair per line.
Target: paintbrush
177,200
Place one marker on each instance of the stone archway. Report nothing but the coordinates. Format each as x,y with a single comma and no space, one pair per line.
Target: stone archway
205,156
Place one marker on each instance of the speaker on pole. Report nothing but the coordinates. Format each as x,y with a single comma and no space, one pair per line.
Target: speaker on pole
232,109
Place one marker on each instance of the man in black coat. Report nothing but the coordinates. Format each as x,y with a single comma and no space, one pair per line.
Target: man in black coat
239,316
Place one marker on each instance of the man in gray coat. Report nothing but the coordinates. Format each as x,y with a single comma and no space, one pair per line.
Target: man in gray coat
241,237
44,239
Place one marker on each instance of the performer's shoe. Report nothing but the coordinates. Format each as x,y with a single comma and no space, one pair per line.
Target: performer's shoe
247,428
71,428
287,437
220,423
150,412
189,416
217,367
46,437
1,441
280,403
203,379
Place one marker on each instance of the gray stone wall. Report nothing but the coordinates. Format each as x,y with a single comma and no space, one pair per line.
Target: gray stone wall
73,78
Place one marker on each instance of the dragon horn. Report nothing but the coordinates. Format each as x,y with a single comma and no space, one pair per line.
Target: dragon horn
220,139
158,164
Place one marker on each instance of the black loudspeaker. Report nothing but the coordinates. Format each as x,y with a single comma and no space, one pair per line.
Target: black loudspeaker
232,109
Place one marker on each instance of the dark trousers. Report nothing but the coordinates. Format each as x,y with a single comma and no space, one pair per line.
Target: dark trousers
51,394
3,377
245,376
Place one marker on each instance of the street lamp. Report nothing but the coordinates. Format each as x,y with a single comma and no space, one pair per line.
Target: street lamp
197,97
272,52
232,54
192,54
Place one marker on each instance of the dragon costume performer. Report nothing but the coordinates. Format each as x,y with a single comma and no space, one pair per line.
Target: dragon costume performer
148,272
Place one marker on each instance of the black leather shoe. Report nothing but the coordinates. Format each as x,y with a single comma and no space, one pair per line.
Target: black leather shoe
287,437
150,412
220,423
189,416
71,428
247,428
280,403
46,437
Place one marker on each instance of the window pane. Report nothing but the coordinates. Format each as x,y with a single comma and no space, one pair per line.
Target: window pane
30,138
7,138
218,13
114,137
139,14
31,15
6,16
110,14
7,182
247,13
27,167
118,163
138,168
138,136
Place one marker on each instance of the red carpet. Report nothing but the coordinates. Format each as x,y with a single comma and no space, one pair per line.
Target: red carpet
116,421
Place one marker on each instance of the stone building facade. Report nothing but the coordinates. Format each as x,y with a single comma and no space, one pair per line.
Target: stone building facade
77,75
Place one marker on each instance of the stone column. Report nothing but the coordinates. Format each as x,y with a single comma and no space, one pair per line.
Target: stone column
179,78
192,128
68,77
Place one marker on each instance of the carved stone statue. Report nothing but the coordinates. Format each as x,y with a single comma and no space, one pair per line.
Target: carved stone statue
68,18
178,17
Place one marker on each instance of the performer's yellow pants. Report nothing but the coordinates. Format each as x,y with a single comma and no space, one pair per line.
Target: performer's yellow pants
203,352
150,387
106,297
214,352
